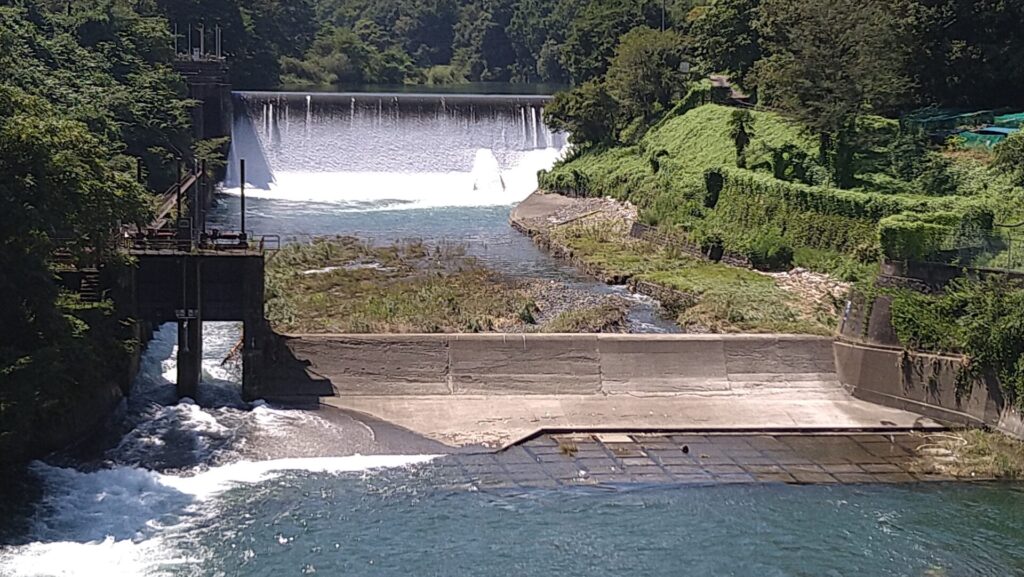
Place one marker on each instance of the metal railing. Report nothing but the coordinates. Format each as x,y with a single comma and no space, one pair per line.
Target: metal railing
167,241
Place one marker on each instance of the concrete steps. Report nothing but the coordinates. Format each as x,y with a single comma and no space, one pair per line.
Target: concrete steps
91,289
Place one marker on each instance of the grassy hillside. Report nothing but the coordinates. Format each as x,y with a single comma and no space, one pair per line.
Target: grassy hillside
682,174
699,139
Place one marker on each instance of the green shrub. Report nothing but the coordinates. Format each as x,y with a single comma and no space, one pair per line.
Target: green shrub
906,154
936,177
910,236
1010,156
982,319
768,251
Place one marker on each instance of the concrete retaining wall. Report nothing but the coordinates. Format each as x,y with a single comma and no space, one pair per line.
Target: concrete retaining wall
925,384
576,364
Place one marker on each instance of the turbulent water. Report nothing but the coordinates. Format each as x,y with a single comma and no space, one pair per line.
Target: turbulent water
191,491
113,514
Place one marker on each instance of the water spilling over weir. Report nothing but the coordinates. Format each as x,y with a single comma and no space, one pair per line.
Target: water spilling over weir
391,151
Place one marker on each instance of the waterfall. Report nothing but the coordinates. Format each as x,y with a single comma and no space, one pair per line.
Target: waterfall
309,113
425,151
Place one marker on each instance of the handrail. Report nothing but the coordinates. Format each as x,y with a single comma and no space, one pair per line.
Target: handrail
167,241
169,198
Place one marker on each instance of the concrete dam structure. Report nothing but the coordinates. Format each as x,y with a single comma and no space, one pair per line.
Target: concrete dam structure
500,388
559,364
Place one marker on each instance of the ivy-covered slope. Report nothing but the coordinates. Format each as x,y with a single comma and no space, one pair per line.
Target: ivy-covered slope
683,174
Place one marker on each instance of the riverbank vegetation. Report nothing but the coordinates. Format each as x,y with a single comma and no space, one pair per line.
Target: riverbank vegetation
972,454
343,285
817,145
702,296
981,319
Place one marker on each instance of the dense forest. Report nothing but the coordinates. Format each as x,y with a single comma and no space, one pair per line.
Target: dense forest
957,51
87,95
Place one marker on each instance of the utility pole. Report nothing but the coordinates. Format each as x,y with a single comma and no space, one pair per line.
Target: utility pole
241,167
663,15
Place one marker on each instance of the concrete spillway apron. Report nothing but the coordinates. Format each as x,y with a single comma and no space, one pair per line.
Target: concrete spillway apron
495,389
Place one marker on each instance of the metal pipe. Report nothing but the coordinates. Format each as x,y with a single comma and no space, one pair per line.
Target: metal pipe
241,163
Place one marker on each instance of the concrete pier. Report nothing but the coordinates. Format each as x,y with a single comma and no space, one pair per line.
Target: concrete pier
190,357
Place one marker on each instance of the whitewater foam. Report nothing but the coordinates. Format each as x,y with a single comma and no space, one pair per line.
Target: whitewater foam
115,521
485,185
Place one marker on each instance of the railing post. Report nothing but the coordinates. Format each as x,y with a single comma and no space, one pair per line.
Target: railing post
241,167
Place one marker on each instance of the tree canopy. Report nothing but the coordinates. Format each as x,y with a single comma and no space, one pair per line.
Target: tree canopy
83,94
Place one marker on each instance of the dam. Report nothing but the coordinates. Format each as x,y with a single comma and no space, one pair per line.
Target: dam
400,471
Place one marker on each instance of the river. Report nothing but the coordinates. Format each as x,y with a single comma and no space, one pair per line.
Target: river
217,486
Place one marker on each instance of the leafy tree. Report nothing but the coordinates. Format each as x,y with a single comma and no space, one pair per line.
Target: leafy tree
970,53
336,56
646,73
907,153
480,45
741,132
588,113
595,31
832,61
1010,156
725,39
59,181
